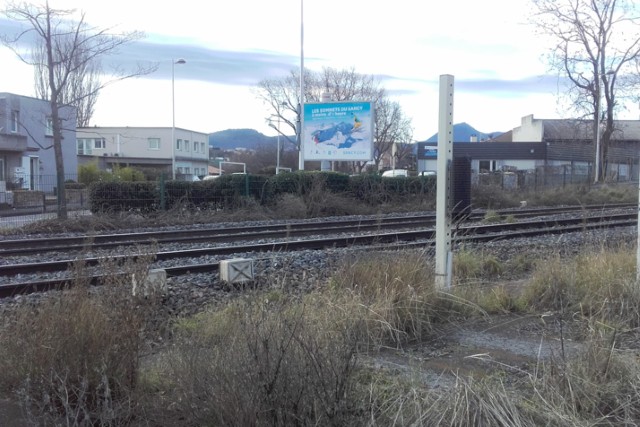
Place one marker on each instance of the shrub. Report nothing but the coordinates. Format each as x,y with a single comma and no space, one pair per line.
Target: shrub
599,284
73,358
123,197
263,360
89,173
128,174
397,295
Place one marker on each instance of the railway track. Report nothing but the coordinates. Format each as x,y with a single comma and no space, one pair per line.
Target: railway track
390,240
277,231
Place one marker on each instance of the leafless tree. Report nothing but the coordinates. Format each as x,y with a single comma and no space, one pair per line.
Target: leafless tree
66,58
283,96
596,46
83,83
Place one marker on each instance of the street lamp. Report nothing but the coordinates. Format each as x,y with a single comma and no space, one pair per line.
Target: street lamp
173,115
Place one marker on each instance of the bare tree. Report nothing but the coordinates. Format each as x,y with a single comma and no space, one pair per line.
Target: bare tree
597,47
283,96
83,83
65,49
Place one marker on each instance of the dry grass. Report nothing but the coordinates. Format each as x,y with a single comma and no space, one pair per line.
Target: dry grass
72,359
278,359
264,360
394,293
599,284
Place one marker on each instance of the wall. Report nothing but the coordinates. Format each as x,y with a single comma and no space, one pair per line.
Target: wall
530,130
39,158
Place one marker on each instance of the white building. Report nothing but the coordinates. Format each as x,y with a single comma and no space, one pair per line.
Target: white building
145,147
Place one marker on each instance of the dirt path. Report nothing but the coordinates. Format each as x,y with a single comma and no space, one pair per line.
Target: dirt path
511,343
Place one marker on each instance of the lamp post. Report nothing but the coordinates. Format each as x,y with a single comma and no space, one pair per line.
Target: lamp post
173,115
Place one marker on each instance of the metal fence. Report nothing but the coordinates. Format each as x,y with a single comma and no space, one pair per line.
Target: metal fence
546,177
25,201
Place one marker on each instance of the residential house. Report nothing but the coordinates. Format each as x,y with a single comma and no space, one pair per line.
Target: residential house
145,148
27,158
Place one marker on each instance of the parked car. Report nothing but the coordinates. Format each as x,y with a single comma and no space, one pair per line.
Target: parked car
428,173
210,177
395,173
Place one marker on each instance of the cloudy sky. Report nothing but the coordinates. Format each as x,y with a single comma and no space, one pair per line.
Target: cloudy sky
229,46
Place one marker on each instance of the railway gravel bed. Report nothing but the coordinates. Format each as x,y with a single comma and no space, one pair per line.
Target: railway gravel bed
501,342
303,270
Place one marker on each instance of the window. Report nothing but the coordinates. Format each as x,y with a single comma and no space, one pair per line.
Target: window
15,119
178,144
487,165
154,143
49,127
186,145
99,144
187,171
195,147
202,150
84,146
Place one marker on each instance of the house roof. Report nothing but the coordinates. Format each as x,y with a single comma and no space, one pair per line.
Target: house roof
503,137
573,129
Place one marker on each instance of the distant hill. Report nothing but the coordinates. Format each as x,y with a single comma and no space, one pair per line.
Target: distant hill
250,138
234,138
462,132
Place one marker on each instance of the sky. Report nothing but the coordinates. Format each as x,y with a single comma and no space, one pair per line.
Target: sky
496,57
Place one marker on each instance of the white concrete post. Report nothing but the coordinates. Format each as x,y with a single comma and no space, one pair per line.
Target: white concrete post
443,196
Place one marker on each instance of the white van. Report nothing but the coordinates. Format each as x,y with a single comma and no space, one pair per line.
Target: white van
395,173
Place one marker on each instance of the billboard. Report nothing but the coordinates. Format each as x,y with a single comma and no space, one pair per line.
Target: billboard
338,131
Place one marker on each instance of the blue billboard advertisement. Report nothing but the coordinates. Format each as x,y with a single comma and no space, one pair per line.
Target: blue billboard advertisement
338,131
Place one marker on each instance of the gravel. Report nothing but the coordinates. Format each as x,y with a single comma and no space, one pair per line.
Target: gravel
302,271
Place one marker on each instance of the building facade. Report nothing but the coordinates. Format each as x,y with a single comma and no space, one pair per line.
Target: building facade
145,148
566,144
27,158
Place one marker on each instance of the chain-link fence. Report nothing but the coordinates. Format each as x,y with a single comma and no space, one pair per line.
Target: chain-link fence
26,198
546,177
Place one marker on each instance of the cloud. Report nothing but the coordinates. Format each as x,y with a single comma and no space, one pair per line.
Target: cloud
534,84
205,64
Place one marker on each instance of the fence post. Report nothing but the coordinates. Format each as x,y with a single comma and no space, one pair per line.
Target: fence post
163,200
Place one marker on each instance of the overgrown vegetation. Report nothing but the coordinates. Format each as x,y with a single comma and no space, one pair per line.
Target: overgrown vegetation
73,359
274,357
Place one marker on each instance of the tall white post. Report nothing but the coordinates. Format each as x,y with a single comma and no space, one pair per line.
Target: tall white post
301,112
443,185
173,116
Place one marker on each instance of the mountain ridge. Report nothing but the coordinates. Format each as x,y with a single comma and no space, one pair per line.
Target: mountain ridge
246,138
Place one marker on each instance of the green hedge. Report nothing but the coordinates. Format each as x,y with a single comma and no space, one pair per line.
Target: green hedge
230,191
301,182
123,196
